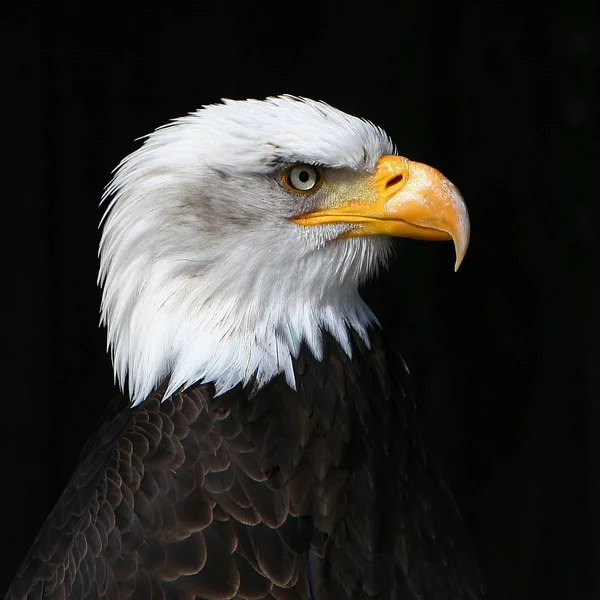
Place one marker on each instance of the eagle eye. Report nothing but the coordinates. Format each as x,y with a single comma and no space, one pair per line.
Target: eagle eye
302,178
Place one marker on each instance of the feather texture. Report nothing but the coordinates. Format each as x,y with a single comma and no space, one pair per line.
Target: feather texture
324,492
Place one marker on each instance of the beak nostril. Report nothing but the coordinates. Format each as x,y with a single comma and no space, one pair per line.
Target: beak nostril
394,181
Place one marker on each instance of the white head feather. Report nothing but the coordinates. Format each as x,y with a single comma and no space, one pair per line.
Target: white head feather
204,276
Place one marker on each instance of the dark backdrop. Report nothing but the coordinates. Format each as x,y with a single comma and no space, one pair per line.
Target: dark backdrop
501,98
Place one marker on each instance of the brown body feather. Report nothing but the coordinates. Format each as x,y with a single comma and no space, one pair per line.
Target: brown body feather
327,493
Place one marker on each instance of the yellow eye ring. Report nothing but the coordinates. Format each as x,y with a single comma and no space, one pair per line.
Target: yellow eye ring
302,179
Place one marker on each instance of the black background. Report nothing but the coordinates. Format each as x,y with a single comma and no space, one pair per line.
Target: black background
502,98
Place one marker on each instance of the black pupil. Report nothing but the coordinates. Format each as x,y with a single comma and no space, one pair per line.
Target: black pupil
304,176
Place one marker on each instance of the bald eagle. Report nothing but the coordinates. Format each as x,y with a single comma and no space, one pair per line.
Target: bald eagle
264,444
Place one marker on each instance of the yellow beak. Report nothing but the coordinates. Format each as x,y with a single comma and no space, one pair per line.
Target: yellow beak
411,200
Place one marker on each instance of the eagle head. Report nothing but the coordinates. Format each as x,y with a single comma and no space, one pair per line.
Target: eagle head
239,232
